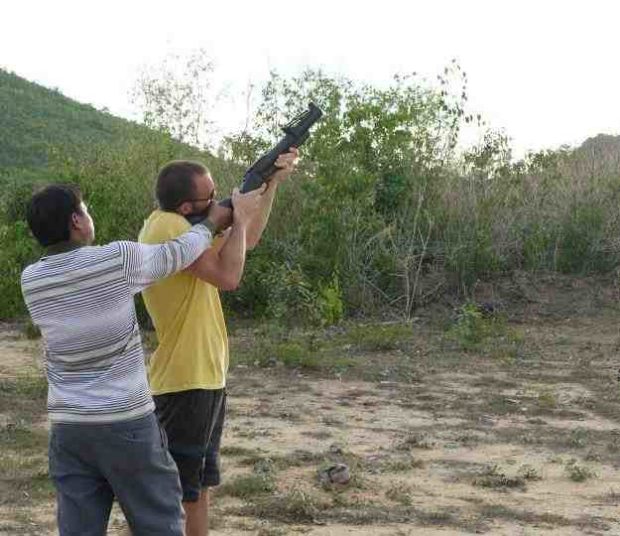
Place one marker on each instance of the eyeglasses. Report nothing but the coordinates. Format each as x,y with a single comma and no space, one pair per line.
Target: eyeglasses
198,199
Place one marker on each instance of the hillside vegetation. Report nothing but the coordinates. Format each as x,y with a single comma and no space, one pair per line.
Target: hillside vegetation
383,216
35,118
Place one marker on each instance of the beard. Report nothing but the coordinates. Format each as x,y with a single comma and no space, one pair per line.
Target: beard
197,216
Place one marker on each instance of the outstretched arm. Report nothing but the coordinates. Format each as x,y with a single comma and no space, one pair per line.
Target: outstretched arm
287,163
143,264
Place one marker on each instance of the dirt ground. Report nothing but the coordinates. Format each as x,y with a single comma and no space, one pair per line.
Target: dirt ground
502,423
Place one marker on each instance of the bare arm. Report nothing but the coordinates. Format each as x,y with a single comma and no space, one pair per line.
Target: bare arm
222,265
258,224
287,164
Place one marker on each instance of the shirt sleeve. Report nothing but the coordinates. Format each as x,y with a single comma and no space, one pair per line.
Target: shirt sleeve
144,264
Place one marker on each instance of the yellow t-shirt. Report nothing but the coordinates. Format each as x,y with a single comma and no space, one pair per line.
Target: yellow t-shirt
188,319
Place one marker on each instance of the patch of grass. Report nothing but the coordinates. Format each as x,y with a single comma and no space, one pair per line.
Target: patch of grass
487,380
478,330
291,349
493,477
397,465
39,487
546,398
611,497
317,434
437,517
415,441
260,482
33,387
577,472
537,421
297,458
252,433
272,531
497,511
467,439
295,506
31,331
400,493
378,337
293,354
614,443
503,405
19,437
23,465
236,451
578,438
247,486
471,327
528,472
363,512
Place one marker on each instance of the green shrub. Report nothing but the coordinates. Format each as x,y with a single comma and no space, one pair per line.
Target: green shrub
382,214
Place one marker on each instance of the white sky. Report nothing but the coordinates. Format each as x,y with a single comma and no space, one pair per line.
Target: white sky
546,71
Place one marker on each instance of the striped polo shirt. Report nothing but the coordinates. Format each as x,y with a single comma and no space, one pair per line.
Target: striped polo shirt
82,301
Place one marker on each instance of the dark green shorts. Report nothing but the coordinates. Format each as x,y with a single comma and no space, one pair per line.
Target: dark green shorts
193,421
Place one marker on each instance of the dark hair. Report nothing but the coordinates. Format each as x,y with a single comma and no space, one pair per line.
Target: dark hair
175,183
49,212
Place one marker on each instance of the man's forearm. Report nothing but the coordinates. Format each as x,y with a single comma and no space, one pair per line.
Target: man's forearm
232,254
257,227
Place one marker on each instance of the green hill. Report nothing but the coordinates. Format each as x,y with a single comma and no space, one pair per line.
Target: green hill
34,118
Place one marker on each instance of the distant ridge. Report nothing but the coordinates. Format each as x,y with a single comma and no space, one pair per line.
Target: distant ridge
33,117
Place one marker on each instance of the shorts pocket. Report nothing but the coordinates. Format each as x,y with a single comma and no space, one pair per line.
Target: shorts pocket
163,436
142,431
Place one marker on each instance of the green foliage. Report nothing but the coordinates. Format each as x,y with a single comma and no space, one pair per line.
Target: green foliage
281,292
54,139
476,329
277,344
34,117
294,506
33,387
528,472
261,481
471,327
493,477
577,472
290,353
17,249
382,215
369,161
401,493
379,337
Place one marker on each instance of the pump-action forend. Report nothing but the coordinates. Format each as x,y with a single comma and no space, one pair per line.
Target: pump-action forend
295,134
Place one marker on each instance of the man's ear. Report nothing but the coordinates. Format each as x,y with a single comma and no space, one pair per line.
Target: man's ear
185,208
75,221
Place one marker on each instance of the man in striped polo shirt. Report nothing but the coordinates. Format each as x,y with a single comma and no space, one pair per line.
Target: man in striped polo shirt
105,440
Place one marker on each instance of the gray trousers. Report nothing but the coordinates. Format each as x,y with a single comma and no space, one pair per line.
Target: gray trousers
91,464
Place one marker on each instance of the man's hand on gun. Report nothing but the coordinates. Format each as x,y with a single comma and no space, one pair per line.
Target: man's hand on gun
246,207
286,162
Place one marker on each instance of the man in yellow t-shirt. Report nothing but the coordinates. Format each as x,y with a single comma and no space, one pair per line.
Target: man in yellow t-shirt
187,371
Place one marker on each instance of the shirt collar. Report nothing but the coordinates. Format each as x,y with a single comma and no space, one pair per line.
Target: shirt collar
61,247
